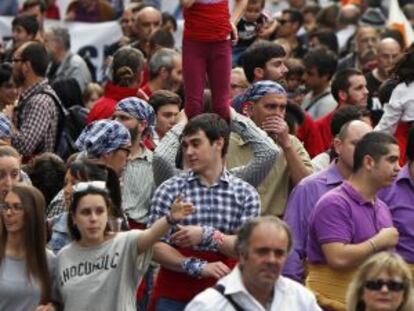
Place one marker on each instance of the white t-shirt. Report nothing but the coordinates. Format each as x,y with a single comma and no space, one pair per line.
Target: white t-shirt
17,293
288,296
104,277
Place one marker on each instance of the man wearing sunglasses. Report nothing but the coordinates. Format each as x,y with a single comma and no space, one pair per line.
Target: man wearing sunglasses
349,223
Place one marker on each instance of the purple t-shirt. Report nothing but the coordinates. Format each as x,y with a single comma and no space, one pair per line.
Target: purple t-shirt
301,202
400,199
343,215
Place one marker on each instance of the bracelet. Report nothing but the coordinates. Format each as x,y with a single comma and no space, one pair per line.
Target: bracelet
207,235
171,221
218,238
193,266
373,245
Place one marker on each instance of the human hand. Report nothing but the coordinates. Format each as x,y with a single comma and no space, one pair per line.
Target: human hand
48,307
215,269
180,209
268,29
234,33
386,238
187,236
8,111
278,129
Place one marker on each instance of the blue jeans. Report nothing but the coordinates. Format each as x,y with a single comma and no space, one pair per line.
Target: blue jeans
166,304
149,282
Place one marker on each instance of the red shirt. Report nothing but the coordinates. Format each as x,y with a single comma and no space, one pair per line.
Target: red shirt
323,125
144,92
207,22
308,133
105,106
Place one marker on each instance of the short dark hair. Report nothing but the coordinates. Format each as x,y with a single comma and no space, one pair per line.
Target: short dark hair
340,81
162,38
327,38
410,145
167,17
311,8
374,144
295,66
164,97
295,16
294,115
258,54
35,53
28,22
345,114
214,126
404,69
5,73
324,60
385,90
28,4
126,64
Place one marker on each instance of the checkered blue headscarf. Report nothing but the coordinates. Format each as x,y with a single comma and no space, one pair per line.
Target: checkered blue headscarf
256,91
138,108
102,137
5,127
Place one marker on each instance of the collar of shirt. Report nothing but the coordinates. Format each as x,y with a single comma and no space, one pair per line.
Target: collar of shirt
333,177
404,176
33,89
145,155
224,177
356,196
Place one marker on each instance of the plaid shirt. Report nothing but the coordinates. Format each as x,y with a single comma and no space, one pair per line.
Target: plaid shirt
37,121
225,206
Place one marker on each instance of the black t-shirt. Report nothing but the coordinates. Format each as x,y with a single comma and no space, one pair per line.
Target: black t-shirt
248,31
374,105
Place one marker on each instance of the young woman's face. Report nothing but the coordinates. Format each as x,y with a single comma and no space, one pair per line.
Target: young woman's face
91,218
9,173
378,296
12,213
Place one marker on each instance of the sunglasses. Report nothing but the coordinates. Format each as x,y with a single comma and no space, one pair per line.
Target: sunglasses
393,286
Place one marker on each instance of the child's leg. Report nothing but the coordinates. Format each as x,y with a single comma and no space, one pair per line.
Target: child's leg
194,76
219,71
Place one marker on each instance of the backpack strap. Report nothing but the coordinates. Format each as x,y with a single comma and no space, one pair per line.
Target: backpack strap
220,288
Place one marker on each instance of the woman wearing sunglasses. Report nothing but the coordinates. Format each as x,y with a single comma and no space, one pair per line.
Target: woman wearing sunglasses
101,269
382,283
26,267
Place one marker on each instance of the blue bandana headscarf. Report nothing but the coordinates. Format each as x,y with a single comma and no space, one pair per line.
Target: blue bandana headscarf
256,91
138,108
102,137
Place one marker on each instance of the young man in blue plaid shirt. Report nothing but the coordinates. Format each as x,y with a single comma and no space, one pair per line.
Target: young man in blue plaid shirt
193,254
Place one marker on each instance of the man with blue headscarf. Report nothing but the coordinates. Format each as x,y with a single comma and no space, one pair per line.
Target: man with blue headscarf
106,141
265,103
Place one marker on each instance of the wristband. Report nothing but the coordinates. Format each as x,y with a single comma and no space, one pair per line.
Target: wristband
193,266
218,238
207,235
373,245
171,221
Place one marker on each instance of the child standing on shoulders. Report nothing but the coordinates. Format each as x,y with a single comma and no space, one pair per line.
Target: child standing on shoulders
208,34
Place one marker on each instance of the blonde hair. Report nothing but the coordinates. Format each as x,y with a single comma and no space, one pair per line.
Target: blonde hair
383,261
90,89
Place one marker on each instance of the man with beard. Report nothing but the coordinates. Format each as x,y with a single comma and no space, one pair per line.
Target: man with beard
165,73
138,117
36,115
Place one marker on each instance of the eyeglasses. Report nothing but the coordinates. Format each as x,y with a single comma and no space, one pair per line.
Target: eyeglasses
376,285
16,60
16,207
83,186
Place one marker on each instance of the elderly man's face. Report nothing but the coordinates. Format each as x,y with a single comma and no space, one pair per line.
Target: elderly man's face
266,255
268,106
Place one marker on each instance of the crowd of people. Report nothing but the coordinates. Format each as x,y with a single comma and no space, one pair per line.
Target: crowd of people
266,162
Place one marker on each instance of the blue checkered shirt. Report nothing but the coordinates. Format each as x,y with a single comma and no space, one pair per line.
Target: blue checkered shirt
225,206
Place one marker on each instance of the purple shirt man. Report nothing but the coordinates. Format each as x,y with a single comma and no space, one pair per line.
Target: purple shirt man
400,199
342,215
301,202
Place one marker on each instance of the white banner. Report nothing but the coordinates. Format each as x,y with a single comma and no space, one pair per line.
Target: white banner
88,37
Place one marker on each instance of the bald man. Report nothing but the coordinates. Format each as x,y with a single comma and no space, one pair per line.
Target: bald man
304,196
389,50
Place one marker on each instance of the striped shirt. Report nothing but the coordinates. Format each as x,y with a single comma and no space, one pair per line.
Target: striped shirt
138,187
225,206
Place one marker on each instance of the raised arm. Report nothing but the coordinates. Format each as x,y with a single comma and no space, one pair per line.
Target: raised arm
163,161
265,151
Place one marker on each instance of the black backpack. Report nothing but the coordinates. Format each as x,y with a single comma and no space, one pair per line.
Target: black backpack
65,143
